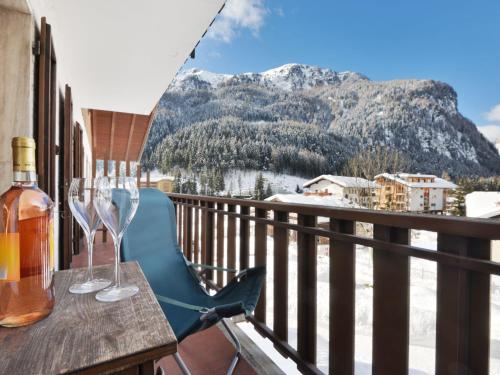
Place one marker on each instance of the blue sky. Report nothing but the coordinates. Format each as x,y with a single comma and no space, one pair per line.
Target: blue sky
455,41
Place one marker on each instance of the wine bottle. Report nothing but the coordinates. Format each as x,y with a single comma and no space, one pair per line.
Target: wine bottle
26,243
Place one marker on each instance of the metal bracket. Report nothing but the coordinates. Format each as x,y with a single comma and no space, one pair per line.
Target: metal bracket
36,48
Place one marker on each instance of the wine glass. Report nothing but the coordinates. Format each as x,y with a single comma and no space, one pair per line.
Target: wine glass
81,197
116,202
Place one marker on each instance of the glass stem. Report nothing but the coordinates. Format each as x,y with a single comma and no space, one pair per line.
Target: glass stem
117,261
90,251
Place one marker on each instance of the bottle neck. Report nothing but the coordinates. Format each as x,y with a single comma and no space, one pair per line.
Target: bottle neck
24,178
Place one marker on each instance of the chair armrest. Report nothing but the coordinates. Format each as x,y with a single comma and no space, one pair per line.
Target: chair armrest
206,266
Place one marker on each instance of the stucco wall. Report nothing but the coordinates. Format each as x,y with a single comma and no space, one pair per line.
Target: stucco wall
16,80
436,198
325,185
416,200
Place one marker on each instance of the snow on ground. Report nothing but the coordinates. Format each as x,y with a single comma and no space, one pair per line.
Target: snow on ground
280,183
423,276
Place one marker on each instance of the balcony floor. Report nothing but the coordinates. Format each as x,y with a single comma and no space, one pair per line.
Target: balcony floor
207,352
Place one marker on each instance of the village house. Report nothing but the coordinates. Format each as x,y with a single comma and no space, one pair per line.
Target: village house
355,189
413,192
483,204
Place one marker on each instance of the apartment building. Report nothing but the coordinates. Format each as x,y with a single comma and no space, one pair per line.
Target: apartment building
413,192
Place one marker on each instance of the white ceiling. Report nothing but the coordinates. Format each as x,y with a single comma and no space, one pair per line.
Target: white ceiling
121,55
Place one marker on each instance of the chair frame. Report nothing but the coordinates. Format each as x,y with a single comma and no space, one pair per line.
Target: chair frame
234,361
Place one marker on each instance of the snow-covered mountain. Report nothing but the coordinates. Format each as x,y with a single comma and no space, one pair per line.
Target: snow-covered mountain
288,77
303,120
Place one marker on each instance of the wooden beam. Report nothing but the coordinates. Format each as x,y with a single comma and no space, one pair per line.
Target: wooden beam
127,168
93,126
130,133
150,122
111,136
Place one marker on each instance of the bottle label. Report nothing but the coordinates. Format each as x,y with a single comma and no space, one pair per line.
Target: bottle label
10,266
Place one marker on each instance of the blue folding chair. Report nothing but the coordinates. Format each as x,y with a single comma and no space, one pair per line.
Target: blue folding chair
151,240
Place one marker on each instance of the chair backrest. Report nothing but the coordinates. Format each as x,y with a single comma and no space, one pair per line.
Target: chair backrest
152,241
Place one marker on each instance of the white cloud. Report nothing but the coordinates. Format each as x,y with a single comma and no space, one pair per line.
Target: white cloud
279,11
491,132
493,114
237,15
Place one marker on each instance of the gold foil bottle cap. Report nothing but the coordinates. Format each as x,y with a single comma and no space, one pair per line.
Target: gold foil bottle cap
23,154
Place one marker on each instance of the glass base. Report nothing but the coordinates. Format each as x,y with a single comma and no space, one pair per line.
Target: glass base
89,286
117,293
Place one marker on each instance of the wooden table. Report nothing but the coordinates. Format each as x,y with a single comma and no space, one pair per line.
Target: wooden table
85,336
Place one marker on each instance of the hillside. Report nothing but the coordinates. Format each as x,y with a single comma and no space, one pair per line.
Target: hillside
306,120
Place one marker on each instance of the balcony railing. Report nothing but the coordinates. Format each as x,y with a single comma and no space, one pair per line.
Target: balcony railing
207,232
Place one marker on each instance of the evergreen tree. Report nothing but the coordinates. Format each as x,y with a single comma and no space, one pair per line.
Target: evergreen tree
203,183
458,208
259,192
189,187
219,181
211,183
178,182
269,191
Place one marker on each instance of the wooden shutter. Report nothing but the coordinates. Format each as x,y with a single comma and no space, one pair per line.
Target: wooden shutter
45,109
65,177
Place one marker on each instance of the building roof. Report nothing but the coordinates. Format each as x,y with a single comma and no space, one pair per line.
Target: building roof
343,181
483,204
122,55
438,183
312,200
118,135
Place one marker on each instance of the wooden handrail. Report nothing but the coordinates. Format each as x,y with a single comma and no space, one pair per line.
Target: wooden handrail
474,227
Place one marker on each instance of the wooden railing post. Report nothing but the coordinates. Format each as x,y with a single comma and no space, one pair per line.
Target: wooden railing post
180,223
280,287
187,232
231,240
244,237
261,260
463,310
117,168
220,243
104,229
209,239
342,288
138,172
306,284
391,303
196,249
127,169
